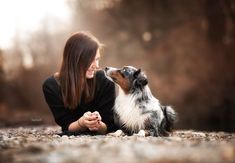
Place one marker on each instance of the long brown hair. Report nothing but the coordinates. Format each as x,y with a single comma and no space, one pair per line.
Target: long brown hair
79,53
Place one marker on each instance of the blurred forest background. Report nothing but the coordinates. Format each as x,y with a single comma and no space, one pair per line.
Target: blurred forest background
186,48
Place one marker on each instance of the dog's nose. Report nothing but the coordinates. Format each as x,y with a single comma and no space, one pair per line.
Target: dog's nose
106,68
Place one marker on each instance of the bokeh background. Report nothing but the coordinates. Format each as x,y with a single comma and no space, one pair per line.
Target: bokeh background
186,48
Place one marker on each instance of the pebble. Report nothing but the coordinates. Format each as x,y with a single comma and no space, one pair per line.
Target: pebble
64,137
56,136
42,144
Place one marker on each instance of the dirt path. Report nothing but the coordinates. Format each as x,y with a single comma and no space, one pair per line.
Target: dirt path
42,144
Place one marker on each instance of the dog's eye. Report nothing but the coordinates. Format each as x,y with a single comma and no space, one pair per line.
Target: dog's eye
125,72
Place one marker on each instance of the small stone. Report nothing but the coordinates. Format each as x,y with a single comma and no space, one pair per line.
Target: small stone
65,137
200,134
56,136
71,137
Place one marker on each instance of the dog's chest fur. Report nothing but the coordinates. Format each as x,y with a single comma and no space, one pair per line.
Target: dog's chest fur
131,114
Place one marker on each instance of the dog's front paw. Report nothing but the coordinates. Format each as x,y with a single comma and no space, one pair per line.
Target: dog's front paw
117,133
141,133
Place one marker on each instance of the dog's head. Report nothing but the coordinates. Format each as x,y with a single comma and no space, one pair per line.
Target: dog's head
128,78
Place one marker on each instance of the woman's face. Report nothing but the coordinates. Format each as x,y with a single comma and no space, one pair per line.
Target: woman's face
94,66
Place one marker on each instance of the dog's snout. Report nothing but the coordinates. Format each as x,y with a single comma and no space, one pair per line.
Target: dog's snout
107,68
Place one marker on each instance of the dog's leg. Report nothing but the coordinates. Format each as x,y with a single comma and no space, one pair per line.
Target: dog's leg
154,128
141,133
117,133
151,132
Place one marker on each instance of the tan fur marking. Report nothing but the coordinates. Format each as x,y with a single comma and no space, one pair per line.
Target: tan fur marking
121,81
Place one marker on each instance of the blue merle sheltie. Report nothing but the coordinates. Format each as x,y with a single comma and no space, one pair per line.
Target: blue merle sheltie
136,110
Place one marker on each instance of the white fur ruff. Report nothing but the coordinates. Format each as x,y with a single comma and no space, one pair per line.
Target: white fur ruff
130,113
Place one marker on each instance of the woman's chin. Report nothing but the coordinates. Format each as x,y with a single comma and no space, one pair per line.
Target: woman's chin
90,75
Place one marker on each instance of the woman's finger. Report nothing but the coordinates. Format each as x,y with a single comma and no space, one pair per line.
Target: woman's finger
93,128
89,116
97,114
86,115
90,123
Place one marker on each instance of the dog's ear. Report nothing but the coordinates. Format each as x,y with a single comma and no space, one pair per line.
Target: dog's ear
136,74
141,81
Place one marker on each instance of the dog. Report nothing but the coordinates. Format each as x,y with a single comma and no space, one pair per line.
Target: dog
136,110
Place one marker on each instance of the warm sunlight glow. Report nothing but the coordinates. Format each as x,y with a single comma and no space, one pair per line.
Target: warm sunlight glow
25,16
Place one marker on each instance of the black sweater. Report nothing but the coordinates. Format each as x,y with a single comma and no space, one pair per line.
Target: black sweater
103,102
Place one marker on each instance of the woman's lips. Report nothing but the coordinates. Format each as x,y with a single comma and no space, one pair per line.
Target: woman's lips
91,71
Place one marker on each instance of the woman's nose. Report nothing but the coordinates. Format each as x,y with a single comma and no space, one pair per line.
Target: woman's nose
95,65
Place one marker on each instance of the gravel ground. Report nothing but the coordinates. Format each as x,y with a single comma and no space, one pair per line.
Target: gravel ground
42,144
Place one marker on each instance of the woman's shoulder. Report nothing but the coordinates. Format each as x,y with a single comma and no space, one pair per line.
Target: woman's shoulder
102,80
49,80
100,75
50,83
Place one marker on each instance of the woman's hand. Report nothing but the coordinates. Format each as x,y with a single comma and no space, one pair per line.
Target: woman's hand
93,122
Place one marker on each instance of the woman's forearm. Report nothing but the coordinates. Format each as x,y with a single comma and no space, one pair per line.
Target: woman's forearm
77,126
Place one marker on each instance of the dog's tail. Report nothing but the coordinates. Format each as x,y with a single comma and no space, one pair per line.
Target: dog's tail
170,118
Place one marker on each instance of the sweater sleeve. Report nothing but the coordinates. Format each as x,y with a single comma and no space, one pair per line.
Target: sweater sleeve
105,101
63,116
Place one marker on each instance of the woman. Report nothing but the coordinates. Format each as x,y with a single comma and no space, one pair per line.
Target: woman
79,96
